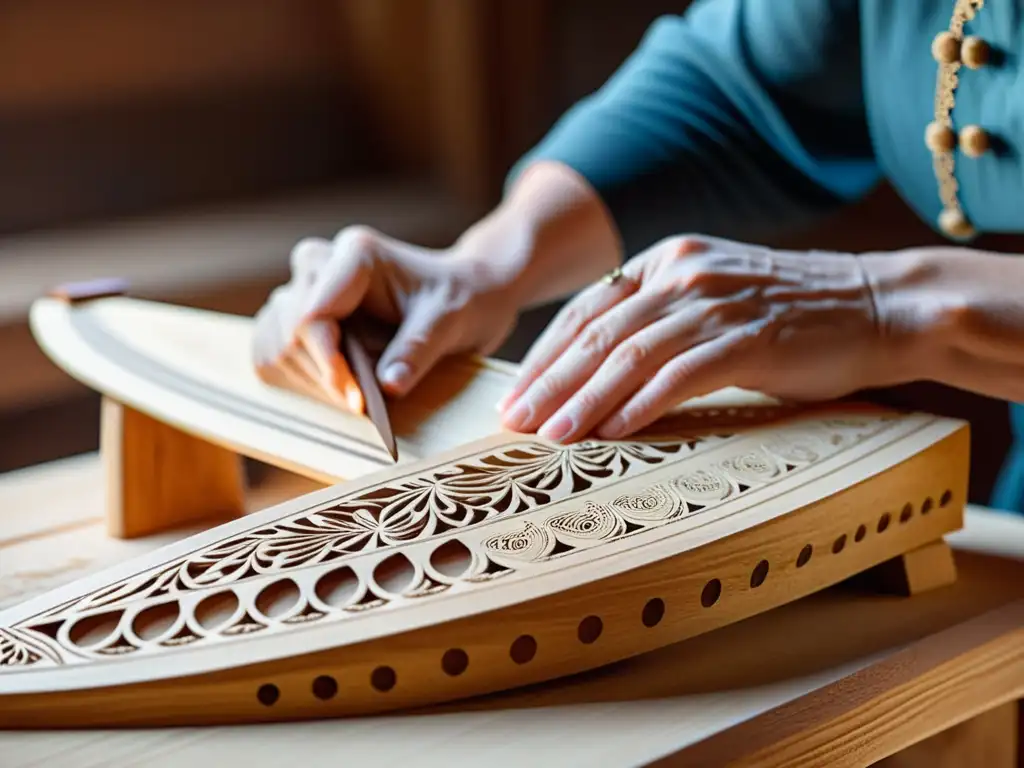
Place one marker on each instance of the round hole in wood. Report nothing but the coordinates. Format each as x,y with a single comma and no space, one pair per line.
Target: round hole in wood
395,574
759,574
154,622
93,631
805,556
278,598
947,496
883,522
325,687
452,558
927,506
839,544
711,592
523,649
454,662
383,679
268,694
906,513
215,611
653,612
590,629
862,531
339,587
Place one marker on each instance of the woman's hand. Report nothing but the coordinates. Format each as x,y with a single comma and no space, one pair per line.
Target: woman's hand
550,236
693,315
441,301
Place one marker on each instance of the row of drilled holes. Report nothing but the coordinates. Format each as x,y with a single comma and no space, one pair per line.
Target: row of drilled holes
455,661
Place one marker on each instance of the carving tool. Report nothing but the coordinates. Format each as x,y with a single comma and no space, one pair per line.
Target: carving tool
359,360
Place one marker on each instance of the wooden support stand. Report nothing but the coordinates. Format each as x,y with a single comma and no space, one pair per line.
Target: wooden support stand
919,570
158,477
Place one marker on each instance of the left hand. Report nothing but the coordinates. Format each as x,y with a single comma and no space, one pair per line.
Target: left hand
693,315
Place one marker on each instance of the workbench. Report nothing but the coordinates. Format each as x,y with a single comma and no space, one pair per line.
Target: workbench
843,678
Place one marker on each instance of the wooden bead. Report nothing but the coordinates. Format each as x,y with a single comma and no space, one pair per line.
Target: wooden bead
946,48
939,138
974,141
955,225
974,52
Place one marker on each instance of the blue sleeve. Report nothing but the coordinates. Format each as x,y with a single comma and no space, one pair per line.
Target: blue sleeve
738,118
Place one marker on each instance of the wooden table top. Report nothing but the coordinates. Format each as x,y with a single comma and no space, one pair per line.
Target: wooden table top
842,677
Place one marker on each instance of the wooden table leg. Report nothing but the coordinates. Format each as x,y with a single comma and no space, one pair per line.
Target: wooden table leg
989,740
158,477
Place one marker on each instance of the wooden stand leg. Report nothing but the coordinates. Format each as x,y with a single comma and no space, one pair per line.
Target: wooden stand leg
919,570
158,477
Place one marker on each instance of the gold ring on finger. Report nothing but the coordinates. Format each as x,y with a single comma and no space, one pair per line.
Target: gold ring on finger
611,278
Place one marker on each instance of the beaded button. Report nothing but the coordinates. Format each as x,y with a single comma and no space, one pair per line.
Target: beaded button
953,222
974,141
974,52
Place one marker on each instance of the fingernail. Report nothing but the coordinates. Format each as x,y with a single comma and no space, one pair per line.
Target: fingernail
396,375
556,428
613,428
517,418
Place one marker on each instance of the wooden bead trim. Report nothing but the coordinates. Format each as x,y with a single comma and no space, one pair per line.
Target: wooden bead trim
945,89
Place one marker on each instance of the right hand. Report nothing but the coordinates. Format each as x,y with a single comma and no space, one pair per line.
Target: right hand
443,302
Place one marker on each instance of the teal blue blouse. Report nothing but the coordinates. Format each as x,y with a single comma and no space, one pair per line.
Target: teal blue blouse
741,117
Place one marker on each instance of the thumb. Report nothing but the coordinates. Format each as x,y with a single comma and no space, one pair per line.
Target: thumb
426,335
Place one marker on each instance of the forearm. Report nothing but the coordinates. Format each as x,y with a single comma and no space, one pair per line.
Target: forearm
549,237
954,316
710,127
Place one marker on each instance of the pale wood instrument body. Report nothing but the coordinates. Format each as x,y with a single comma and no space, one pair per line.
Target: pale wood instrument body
486,563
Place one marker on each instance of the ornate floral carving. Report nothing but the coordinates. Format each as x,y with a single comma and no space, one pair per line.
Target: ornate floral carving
482,519
18,649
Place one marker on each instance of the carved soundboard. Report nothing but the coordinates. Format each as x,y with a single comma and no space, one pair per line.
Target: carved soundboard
496,563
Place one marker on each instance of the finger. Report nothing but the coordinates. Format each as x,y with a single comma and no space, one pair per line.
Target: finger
426,335
296,377
581,359
309,256
701,370
321,340
566,325
263,337
635,359
269,340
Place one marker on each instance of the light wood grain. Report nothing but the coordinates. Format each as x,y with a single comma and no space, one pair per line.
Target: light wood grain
158,477
659,704
662,703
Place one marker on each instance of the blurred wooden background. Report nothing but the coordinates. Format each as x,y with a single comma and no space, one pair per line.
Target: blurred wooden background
187,145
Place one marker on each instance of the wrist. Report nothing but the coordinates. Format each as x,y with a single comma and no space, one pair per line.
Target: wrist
920,310
549,237
909,317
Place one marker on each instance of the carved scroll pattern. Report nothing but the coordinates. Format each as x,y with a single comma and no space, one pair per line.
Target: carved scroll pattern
419,536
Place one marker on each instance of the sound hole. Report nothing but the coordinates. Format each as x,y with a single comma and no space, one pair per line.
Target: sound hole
653,613
454,662
268,694
590,629
712,591
805,556
523,649
383,679
759,574
325,687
